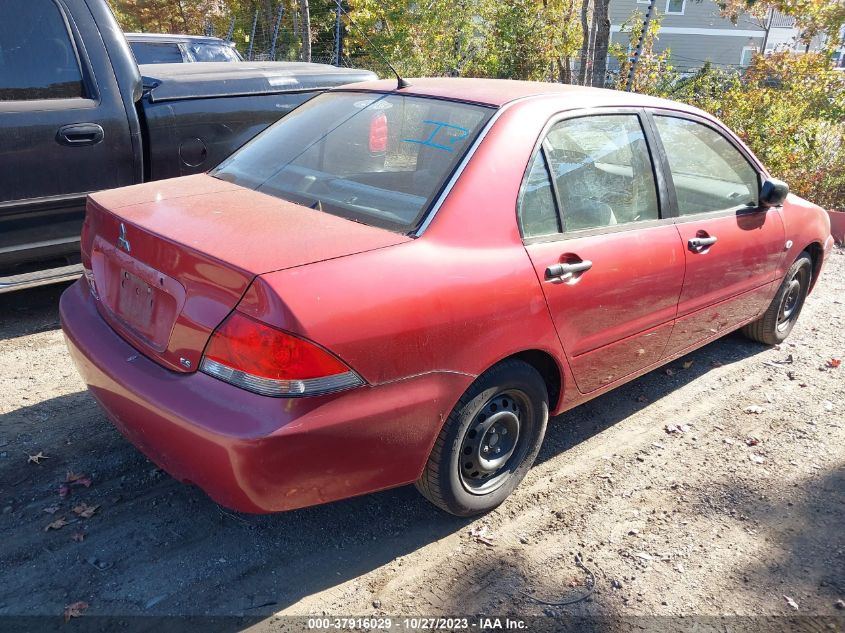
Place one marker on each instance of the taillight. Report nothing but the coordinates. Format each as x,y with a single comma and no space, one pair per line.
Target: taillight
262,359
378,134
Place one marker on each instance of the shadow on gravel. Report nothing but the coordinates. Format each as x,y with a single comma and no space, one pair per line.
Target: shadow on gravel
803,540
591,418
30,311
156,547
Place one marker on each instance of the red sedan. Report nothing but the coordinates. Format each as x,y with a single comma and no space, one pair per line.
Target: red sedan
401,285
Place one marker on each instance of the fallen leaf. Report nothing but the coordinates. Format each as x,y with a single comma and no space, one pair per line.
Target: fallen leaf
75,479
833,363
688,364
36,459
85,511
791,602
78,536
75,610
58,524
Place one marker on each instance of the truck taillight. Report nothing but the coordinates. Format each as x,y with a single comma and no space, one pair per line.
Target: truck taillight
378,134
262,359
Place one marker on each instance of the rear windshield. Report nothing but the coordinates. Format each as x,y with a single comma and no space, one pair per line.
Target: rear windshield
373,158
212,52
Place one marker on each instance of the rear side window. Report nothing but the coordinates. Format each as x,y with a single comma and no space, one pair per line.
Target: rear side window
537,210
708,172
156,53
37,57
603,171
374,158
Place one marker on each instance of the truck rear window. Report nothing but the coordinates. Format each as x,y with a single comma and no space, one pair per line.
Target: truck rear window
379,159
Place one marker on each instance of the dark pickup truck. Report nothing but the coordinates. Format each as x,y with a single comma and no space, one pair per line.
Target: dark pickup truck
78,115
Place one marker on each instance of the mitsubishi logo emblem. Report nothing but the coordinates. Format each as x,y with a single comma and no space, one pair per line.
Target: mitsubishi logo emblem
122,242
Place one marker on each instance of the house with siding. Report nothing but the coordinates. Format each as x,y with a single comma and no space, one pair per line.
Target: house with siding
695,32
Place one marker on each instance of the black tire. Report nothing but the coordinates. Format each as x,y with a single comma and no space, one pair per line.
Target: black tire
510,395
779,318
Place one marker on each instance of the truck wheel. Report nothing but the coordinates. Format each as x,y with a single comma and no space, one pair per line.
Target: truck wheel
777,321
489,441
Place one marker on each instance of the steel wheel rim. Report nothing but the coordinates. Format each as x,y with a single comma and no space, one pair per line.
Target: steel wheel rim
791,302
493,443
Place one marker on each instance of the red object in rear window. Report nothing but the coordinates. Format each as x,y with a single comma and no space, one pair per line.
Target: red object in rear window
378,134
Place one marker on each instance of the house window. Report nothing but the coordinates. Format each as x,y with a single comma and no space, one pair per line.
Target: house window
643,1
747,54
675,7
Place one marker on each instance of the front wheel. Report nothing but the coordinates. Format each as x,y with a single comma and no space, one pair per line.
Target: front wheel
489,441
780,317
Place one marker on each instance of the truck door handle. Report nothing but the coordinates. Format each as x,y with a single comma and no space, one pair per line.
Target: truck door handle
565,272
701,244
80,134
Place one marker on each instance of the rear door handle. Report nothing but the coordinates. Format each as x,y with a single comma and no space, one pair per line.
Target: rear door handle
565,272
701,244
79,134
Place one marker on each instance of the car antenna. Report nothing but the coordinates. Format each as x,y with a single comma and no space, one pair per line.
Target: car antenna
400,83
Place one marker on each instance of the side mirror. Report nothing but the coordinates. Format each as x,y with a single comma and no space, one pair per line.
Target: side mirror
773,193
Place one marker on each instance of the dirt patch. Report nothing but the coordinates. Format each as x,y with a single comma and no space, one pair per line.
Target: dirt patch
674,497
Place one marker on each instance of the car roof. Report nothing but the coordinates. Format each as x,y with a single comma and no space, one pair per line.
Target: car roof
498,92
168,37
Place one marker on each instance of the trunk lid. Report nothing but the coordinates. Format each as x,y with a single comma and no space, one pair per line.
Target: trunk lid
170,259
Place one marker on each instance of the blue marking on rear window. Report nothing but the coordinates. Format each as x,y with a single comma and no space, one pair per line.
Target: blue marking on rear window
439,125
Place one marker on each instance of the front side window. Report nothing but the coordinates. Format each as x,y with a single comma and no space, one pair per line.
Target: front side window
156,53
708,172
37,56
603,171
380,159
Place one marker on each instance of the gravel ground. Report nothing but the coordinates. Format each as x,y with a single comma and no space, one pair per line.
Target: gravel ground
673,496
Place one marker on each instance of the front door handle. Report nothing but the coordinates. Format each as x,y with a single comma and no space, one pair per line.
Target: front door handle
565,272
79,134
701,244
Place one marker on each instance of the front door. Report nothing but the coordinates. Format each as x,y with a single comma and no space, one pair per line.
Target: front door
64,130
610,266
732,246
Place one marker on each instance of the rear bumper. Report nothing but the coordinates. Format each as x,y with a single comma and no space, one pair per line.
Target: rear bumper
253,453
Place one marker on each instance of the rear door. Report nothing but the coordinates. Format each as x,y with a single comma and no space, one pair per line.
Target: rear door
610,264
63,128
731,245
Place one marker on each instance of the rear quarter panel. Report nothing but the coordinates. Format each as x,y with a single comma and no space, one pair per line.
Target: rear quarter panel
459,298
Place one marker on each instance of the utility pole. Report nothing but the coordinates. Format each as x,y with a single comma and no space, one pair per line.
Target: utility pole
629,84
252,35
337,34
276,31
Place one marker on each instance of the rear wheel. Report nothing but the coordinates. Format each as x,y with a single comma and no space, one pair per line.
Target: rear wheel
780,317
489,441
